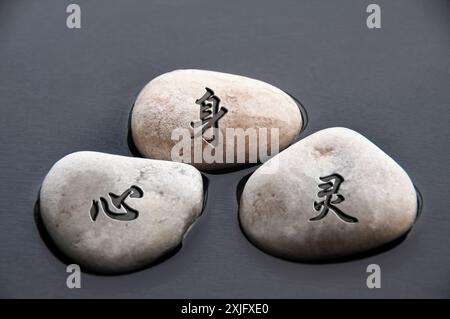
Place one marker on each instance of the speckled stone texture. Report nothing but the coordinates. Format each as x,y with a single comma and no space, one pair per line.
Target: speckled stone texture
168,102
171,201
277,208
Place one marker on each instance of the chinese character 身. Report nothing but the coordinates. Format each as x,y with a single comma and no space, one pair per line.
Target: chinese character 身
210,114
329,188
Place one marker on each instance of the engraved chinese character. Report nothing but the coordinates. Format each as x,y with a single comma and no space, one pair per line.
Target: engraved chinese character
329,189
117,201
210,114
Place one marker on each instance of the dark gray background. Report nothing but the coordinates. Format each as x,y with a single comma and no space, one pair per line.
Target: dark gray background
67,90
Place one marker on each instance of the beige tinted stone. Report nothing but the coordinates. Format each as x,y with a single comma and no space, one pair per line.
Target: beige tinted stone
168,102
170,202
276,207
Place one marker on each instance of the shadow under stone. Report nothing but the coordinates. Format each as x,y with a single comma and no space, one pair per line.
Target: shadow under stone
303,112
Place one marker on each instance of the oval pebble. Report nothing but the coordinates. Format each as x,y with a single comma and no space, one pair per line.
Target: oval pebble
174,100
331,195
114,214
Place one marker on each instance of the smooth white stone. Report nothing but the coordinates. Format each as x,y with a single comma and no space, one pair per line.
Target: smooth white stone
171,202
168,102
277,204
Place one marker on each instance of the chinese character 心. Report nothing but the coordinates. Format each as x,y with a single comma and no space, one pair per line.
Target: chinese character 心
118,201
210,114
329,188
